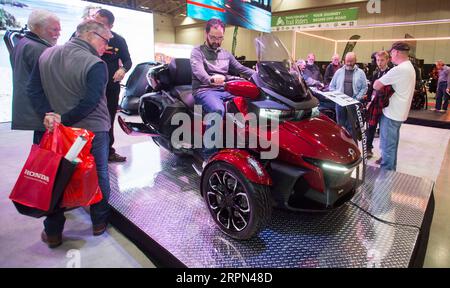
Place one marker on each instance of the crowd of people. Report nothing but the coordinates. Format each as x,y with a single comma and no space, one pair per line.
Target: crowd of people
387,94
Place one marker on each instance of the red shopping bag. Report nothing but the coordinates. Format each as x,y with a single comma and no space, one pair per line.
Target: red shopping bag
83,189
41,183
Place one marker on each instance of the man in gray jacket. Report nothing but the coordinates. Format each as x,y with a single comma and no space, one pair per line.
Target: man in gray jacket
351,81
44,32
210,66
68,85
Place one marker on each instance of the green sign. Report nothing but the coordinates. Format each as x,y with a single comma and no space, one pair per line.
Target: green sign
316,19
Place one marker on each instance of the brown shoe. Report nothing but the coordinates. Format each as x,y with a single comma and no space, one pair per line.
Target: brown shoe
99,229
116,158
52,241
378,162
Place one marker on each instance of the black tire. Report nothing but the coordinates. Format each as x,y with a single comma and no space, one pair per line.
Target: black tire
247,208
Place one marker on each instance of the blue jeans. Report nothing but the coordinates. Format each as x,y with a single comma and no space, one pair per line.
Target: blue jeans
54,224
343,119
389,139
212,101
441,93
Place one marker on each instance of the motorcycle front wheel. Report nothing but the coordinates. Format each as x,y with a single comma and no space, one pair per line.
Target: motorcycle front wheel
239,207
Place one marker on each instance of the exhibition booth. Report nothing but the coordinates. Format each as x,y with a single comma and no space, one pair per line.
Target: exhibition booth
316,203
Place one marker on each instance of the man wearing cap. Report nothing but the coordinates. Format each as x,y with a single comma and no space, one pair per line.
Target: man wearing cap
402,78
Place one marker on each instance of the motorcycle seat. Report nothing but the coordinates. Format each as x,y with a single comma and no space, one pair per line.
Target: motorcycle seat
184,94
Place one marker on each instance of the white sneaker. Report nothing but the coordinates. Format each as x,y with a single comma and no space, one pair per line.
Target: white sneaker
442,111
432,109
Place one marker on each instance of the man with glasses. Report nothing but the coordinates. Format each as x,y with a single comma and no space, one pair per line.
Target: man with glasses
68,85
402,78
117,57
210,66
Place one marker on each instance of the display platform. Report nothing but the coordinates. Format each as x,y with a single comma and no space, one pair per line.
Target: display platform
429,118
157,205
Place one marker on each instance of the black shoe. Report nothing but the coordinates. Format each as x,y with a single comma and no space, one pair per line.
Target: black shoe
377,134
52,241
116,158
99,229
378,162
369,154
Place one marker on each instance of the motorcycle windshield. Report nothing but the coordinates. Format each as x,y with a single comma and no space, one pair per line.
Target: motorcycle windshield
277,70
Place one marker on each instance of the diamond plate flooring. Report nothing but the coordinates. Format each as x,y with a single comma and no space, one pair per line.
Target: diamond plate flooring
158,192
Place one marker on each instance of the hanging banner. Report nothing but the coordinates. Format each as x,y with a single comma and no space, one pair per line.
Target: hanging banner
314,20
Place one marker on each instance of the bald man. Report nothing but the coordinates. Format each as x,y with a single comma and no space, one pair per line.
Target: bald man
351,81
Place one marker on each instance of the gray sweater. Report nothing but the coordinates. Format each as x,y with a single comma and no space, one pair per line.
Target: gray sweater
206,62
63,71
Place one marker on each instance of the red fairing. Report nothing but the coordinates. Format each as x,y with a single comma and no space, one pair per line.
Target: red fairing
323,141
241,104
239,159
242,88
314,138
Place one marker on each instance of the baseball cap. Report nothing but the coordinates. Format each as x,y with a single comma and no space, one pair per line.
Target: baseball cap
400,46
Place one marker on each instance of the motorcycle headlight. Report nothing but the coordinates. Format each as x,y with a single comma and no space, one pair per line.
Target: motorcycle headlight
331,167
337,168
275,114
269,109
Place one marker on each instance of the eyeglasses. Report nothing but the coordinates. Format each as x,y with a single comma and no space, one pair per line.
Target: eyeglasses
104,39
214,38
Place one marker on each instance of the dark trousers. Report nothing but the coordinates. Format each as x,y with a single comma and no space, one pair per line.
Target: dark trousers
54,224
442,95
112,97
371,130
346,117
37,136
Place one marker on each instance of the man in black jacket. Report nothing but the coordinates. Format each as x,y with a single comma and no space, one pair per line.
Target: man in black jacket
117,57
332,68
44,32
312,74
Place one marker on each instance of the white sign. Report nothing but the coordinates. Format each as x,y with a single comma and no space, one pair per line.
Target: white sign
337,97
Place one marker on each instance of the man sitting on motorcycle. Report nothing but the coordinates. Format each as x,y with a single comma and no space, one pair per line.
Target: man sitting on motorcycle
210,67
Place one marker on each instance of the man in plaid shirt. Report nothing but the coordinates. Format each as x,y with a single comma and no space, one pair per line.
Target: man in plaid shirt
374,107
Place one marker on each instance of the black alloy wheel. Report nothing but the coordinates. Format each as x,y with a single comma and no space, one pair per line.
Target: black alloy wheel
239,208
